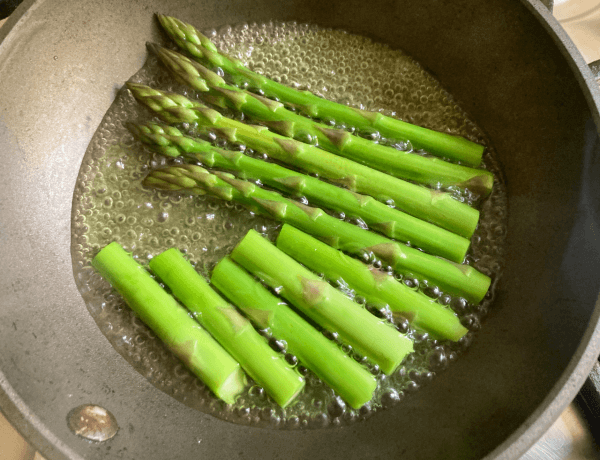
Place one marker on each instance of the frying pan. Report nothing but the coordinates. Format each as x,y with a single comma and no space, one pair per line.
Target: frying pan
510,66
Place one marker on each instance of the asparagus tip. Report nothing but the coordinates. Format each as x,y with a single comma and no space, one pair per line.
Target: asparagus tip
133,86
162,19
133,129
153,47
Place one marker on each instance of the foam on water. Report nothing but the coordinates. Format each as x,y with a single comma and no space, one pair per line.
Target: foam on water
109,204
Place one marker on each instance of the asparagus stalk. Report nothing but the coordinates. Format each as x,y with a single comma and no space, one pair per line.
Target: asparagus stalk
391,222
232,330
380,342
431,205
453,278
379,288
171,323
441,144
429,171
350,380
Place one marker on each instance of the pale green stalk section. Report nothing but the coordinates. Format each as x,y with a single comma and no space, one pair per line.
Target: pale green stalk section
441,144
350,380
378,216
433,206
430,171
380,342
453,278
232,330
377,287
171,323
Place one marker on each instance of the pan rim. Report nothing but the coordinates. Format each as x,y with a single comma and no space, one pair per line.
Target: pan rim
572,379
547,412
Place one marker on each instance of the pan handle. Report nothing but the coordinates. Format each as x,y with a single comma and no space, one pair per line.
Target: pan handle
548,4
588,397
589,400
595,68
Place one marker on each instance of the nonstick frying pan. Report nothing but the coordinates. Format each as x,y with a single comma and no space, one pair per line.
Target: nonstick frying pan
514,71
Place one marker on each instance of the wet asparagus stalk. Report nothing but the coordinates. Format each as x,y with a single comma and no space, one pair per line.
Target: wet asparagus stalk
171,323
232,330
203,50
391,222
350,380
380,342
377,287
430,171
456,279
431,205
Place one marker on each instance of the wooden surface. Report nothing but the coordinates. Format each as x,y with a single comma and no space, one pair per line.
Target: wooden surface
568,439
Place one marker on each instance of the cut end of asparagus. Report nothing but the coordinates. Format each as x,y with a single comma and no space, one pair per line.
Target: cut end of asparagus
171,322
232,386
230,328
379,342
353,382
377,286
480,185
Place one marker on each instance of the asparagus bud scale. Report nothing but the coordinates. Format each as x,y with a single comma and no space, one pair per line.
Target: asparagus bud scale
201,48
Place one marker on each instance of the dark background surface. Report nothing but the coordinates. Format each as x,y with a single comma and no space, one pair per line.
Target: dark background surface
7,7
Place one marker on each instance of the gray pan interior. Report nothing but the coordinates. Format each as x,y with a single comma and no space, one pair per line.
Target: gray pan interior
513,70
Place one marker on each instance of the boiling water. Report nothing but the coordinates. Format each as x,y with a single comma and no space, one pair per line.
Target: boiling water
109,204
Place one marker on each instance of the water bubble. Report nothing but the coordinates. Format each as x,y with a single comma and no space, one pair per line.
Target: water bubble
390,398
277,345
336,407
92,422
291,359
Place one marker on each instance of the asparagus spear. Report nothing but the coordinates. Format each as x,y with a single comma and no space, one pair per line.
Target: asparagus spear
409,166
232,330
433,206
437,143
380,342
391,222
171,323
453,278
350,380
378,287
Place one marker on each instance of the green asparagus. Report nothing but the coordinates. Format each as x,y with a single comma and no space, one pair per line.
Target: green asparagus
453,278
171,323
391,222
409,166
437,143
350,380
380,342
431,205
232,330
379,288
